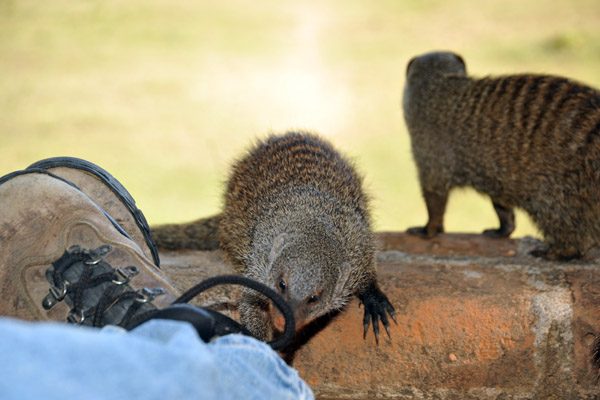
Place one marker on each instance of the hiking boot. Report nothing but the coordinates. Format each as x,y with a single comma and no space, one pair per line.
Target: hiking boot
62,257
108,193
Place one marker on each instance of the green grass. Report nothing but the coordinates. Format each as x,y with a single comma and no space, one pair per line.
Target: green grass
165,94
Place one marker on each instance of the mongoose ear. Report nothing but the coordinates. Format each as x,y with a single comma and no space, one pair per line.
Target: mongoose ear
280,243
409,64
461,60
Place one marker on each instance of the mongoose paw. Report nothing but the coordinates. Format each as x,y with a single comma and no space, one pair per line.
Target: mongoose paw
417,231
424,232
377,306
553,255
497,233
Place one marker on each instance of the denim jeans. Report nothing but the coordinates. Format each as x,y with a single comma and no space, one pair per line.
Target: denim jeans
158,360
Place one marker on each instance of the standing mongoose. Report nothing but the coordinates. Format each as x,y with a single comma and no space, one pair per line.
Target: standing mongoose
529,141
296,219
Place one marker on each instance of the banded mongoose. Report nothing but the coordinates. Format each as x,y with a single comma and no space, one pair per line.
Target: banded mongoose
296,219
528,141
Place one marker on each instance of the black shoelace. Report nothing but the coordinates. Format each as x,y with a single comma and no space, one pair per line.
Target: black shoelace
99,295
222,323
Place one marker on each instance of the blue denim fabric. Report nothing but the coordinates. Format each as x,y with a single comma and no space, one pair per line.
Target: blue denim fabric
158,360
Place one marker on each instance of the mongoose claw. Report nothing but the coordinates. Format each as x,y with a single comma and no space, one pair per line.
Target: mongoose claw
417,231
377,306
499,233
425,231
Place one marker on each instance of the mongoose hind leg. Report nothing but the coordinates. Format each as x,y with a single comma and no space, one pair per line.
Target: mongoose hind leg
507,222
376,306
436,207
564,238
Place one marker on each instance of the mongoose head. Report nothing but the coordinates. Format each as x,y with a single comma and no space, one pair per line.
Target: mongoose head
423,75
435,62
310,273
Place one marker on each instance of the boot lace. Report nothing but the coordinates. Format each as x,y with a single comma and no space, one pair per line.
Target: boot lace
99,295
96,293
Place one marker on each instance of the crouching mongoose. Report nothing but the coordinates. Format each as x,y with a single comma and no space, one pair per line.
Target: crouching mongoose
296,219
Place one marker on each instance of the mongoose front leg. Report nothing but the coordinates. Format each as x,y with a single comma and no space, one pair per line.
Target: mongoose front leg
596,353
507,222
436,206
376,305
254,315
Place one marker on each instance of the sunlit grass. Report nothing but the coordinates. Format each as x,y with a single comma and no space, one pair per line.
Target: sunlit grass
165,94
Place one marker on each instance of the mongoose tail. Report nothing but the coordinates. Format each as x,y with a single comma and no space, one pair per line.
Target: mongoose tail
201,234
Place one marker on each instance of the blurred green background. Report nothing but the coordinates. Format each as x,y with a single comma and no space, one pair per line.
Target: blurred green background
165,94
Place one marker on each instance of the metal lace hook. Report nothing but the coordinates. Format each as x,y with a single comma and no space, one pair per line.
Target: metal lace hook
76,317
124,275
56,294
145,295
98,254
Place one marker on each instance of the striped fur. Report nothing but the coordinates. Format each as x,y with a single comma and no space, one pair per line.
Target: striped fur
528,141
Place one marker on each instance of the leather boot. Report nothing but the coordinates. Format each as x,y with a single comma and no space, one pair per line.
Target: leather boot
62,257
108,193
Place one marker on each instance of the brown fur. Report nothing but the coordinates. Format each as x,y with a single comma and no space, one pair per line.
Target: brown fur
529,141
296,219
202,234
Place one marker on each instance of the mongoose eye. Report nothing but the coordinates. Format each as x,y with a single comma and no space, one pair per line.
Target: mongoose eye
282,285
313,299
